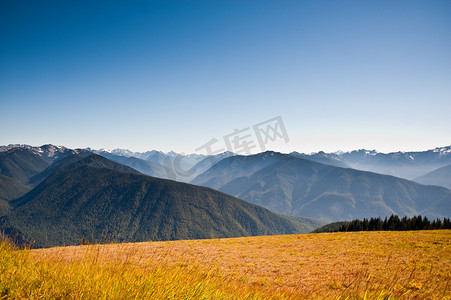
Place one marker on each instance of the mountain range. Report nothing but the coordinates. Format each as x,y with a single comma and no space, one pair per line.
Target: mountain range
19,164
302,187
57,195
86,195
22,162
408,165
169,165
158,157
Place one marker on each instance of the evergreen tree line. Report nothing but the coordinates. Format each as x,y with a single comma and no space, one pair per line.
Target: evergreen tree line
394,223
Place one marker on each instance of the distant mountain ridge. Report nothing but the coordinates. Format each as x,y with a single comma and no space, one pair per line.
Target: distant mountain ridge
25,163
322,157
22,162
169,165
141,165
155,156
407,165
49,152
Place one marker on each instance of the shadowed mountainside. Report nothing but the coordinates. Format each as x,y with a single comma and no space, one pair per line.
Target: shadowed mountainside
306,188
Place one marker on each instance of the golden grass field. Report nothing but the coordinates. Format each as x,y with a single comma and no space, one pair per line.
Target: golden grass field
354,265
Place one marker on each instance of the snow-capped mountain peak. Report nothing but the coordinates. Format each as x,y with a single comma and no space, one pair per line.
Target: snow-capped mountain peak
47,151
442,150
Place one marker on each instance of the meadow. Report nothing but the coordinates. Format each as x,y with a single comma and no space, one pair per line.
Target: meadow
350,265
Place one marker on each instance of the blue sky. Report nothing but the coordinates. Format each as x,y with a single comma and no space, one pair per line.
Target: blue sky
172,75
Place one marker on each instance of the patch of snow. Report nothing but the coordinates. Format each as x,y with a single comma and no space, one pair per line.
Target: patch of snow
371,152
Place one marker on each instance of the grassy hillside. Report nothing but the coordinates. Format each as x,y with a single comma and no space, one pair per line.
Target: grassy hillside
95,197
359,265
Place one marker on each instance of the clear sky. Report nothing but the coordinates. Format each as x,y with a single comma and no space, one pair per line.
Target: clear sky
173,75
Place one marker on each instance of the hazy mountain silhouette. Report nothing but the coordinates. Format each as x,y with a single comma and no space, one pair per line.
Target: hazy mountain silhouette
172,166
440,176
306,188
143,166
324,158
407,165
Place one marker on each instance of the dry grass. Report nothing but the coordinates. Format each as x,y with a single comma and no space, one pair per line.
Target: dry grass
370,265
